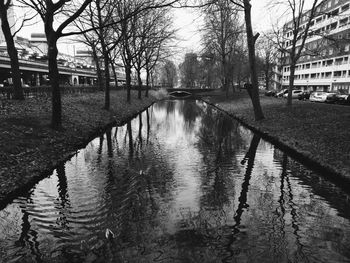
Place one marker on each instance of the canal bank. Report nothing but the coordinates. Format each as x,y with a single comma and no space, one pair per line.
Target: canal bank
315,133
30,149
181,182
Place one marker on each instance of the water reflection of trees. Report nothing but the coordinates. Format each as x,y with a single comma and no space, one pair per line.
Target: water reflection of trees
219,140
242,199
29,236
133,197
137,203
206,234
180,110
190,111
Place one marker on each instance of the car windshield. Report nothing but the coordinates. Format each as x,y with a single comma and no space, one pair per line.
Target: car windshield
317,93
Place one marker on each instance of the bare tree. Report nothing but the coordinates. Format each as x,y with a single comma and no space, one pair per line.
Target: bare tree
168,73
267,54
103,11
90,39
157,46
298,28
221,31
50,12
9,34
210,68
251,39
152,33
189,70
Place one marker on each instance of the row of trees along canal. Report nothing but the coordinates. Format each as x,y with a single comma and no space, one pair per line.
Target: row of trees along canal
139,31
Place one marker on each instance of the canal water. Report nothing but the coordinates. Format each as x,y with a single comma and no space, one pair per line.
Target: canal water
181,182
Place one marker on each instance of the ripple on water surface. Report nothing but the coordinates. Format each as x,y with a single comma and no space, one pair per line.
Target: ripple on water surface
179,183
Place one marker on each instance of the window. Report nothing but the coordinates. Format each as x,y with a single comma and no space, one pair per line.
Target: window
333,25
345,7
335,12
347,48
343,22
337,74
338,61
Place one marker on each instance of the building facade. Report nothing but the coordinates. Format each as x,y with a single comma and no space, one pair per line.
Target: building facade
325,63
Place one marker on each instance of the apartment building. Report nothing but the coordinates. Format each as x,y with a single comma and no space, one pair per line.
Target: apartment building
325,63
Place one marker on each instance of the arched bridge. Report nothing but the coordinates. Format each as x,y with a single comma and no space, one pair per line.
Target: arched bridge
185,91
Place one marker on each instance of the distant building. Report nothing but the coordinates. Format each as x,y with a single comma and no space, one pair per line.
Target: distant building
328,68
39,43
33,62
12,22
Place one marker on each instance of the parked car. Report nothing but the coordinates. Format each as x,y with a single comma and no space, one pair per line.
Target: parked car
320,96
342,99
270,93
332,97
295,94
305,95
281,93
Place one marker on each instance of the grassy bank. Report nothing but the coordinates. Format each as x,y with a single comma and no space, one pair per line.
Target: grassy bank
317,131
29,148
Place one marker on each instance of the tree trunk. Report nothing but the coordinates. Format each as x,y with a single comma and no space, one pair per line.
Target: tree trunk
147,82
98,69
131,145
56,120
291,83
258,114
224,79
267,78
114,74
139,83
128,80
12,51
107,88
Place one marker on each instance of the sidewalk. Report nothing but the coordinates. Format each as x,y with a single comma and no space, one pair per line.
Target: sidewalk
317,132
29,148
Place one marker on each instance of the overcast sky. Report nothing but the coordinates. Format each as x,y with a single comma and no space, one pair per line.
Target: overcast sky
187,21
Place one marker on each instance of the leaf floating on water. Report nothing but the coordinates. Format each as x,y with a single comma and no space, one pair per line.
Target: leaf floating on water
109,234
